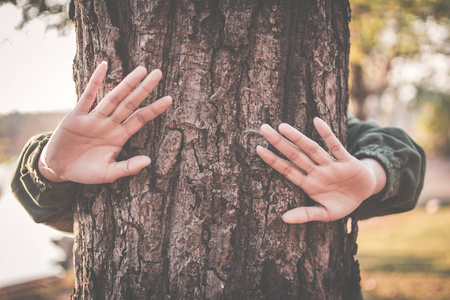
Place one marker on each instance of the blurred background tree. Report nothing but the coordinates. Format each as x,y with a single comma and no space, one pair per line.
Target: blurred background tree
385,32
400,67
400,62
435,119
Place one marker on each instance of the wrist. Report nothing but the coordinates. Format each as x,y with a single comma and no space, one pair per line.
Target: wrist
46,171
378,172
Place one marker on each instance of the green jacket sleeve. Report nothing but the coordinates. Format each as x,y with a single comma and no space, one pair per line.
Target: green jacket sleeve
46,202
404,162
402,159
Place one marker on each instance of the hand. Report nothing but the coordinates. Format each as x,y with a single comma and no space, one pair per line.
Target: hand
338,185
84,146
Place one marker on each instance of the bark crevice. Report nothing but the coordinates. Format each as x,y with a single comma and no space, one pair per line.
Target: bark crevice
203,221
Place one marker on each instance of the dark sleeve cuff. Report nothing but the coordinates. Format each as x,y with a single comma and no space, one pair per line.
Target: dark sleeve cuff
46,202
44,185
391,165
403,161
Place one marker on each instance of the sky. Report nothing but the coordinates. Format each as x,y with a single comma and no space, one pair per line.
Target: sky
35,66
35,76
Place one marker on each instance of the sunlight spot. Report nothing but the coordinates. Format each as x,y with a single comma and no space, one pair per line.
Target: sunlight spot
370,284
432,205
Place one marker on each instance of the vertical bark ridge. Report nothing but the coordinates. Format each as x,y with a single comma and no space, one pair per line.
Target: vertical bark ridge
119,12
167,46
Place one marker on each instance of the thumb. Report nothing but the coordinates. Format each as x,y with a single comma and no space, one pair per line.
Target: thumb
306,214
129,167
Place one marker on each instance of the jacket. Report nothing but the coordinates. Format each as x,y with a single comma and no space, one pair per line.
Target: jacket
403,160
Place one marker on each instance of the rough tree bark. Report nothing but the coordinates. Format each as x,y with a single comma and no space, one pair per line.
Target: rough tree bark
203,220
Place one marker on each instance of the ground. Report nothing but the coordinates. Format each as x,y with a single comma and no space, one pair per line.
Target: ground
404,256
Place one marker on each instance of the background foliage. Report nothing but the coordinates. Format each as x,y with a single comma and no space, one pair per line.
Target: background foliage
17,128
55,12
400,62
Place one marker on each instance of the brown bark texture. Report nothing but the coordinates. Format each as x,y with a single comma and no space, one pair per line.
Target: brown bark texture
203,221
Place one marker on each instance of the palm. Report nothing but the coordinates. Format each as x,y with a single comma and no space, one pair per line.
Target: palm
88,148
85,145
333,187
338,185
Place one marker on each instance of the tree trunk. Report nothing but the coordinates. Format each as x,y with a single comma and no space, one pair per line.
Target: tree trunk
359,92
203,221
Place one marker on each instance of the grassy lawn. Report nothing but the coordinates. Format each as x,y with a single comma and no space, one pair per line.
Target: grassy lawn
406,256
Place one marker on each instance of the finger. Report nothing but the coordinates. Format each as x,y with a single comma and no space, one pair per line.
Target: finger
287,169
306,214
133,100
295,155
92,87
331,140
311,148
116,96
128,167
143,115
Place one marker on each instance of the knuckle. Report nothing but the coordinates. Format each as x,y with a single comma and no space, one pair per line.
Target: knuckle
101,114
286,171
141,118
271,161
114,99
308,215
298,139
327,134
329,218
147,89
115,119
314,148
277,139
87,95
129,105
309,168
335,148
155,110
294,155
128,85
128,168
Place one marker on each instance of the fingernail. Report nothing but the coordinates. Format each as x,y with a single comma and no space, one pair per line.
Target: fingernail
283,125
157,71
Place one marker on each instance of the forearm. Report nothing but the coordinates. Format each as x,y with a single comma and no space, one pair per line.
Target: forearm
402,160
46,202
378,172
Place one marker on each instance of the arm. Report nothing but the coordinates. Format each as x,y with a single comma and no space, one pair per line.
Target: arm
84,147
343,183
46,202
403,161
